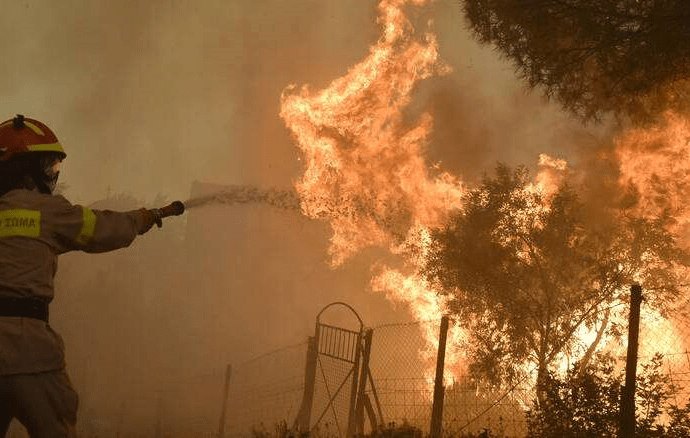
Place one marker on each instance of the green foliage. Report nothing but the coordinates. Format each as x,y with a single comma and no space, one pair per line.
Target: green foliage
582,405
280,430
526,269
587,404
594,56
393,430
485,433
679,425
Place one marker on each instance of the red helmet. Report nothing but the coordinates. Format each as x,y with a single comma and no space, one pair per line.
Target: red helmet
22,135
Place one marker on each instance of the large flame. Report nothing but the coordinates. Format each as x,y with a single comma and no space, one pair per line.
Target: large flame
365,168
655,162
366,174
655,167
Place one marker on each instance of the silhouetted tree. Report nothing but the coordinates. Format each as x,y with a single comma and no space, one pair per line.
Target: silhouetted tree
594,56
527,269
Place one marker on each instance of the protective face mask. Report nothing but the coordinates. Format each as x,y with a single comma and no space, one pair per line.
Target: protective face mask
51,173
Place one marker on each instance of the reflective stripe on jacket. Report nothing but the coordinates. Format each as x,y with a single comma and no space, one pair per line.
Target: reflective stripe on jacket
34,229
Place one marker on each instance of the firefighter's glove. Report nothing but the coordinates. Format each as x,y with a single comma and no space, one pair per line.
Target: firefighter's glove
152,216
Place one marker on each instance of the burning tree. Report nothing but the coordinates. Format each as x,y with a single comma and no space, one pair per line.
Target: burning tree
531,276
594,56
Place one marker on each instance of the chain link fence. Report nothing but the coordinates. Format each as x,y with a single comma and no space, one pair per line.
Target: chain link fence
669,338
401,365
331,404
470,408
265,393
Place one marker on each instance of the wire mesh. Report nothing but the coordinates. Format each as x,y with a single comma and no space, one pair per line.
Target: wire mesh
332,392
338,365
403,369
402,366
268,390
470,408
668,337
265,392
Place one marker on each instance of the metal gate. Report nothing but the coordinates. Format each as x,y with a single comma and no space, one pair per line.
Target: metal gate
336,379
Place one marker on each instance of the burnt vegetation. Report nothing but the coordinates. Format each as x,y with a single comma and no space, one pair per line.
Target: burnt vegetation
626,57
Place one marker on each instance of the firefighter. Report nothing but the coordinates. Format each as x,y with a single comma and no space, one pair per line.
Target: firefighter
36,226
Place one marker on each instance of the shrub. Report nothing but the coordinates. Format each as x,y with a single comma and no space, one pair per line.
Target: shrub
583,405
393,430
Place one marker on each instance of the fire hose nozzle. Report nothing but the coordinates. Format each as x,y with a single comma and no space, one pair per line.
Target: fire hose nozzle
174,209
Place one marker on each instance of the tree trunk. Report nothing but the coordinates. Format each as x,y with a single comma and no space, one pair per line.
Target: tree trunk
587,357
542,382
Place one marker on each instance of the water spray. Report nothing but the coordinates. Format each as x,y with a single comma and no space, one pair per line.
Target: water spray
282,199
247,194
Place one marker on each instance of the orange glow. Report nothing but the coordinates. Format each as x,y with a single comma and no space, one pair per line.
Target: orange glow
656,162
365,170
425,302
550,175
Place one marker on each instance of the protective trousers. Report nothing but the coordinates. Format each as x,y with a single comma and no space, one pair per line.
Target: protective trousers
44,403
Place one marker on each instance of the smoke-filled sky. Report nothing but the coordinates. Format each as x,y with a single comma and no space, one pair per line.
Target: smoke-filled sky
149,97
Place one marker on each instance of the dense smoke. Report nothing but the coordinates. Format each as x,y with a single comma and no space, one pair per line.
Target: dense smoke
149,97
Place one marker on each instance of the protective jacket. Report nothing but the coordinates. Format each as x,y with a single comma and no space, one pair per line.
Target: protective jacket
34,229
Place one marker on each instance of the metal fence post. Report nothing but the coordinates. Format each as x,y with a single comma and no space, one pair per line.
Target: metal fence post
303,419
627,403
437,408
224,408
353,395
364,375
